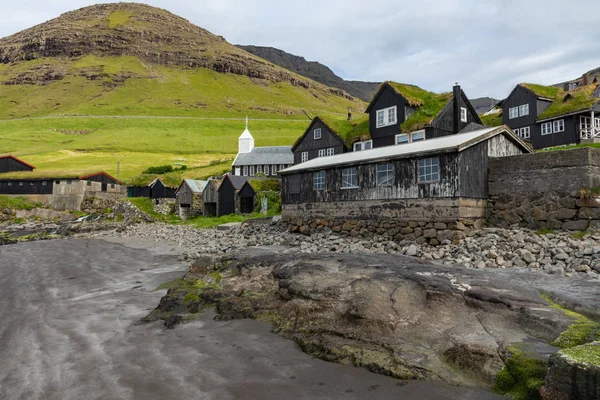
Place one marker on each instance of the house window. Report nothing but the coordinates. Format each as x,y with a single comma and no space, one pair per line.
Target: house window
266,169
259,169
304,156
385,174
517,132
597,122
546,128
429,170
322,153
252,170
9,183
245,169
57,182
513,112
386,116
349,179
317,133
463,114
523,110
525,132
274,169
319,180
20,183
402,138
330,151
112,186
558,125
44,183
282,166
417,136
89,183
366,145
69,182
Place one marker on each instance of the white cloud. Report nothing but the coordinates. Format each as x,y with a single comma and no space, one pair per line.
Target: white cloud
488,46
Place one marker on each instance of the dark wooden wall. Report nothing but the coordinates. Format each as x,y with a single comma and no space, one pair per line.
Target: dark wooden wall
473,171
184,195
520,96
226,204
12,186
312,146
386,135
12,165
571,134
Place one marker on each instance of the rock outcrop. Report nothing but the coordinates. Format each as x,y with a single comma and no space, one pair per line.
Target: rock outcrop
393,315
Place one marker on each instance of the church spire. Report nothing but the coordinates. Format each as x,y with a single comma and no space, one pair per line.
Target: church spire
246,122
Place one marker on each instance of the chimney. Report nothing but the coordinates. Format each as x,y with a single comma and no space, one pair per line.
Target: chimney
585,79
349,113
456,103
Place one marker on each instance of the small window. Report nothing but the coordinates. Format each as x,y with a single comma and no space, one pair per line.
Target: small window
558,125
402,138
259,169
20,183
525,132
89,183
386,116
429,170
266,169
112,186
417,136
517,131
252,170
385,174
523,110
274,169
546,128
69,182
349,180
57,182
304,156
366,145
9,183
330,151
322,153
282,166
513,112
245,170
317,133
319,180
44,183
463,114
31,183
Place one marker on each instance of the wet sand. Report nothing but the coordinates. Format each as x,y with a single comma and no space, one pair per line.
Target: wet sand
69,312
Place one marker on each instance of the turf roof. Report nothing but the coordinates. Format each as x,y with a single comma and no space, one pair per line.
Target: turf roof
349,131
549,92
566,102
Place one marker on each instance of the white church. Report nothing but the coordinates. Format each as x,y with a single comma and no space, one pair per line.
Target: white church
260,161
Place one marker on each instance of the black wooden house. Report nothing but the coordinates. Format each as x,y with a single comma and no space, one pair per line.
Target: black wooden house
228,194
437,179
319,140
154,190
401,113
10,163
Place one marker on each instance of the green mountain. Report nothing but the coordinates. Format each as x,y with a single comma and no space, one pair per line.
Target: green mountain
314,70
168,86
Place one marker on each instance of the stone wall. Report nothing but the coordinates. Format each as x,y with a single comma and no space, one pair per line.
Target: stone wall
165,206
553,190
431,221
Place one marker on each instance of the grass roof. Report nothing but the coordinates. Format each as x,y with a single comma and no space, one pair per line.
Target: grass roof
571,101
25,175
414,95
350,131
433,103
549,92
492,119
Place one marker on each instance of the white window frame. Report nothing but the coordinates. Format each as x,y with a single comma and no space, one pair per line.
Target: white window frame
597,121
403,136
429,170
251,170
245,170
330,152
319,180
420,135
349,178
517,131
321,153
304,156
547,128
513,112
525,132
317,134
463,114
385,174
266,170
558,125
9,183
523,110
274,169
362,146
259,169
386,117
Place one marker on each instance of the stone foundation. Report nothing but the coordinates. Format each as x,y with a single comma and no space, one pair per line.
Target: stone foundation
432,221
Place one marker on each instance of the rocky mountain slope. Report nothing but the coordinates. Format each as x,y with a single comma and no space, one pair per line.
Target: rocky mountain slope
313,70
108,48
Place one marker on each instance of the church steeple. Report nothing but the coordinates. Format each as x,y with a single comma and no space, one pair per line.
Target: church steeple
246,141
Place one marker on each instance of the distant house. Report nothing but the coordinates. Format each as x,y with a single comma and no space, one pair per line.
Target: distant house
326,137
229,196
548,116
210,198
154,190
441,179
10,163
401,114
252,161
102,177
189,198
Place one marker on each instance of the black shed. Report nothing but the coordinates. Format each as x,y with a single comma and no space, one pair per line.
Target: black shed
13,164
155,190
247,195
228,194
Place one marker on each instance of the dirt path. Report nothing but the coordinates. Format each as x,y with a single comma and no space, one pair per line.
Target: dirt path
69,310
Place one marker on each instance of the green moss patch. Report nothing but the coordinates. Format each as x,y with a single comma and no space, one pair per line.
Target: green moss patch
18,203
587,353
350,131
564,102
583,331
118,18
522,376
492,119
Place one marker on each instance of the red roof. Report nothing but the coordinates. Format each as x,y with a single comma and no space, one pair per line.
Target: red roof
17,160
100,173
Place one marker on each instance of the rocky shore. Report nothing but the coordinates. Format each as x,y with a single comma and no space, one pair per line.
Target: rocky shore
558,253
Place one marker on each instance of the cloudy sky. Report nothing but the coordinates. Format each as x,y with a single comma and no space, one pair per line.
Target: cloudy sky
486,45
